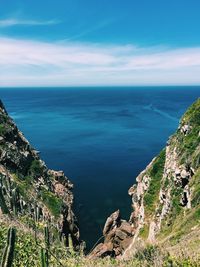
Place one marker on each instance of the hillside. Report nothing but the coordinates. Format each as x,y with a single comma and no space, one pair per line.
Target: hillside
33,198
165,200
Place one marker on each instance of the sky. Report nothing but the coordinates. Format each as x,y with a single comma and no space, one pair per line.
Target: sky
99,42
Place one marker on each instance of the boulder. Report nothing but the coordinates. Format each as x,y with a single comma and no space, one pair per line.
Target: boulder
102,250
111,222
126,228
120,234
184,174
117,237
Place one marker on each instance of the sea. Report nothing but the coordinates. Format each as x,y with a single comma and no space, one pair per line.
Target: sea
102,137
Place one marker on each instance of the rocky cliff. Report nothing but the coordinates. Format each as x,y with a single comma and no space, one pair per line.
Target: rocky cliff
165,199
33,197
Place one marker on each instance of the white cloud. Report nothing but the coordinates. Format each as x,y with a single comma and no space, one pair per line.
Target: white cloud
32,63
9,22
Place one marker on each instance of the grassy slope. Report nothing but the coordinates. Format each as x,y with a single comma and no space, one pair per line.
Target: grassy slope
21,184
28,249
180,231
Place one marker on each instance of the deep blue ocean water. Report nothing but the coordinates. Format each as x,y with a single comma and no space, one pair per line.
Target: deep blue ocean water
101,137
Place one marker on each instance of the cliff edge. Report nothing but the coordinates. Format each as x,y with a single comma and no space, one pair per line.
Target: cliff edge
165,199
32,197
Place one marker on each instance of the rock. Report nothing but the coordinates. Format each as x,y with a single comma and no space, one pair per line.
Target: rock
175,168
131,191
111,222
19,161
168,142
102,250
126,243
186,198
126,227
185,129
120,234
184,174
3,110
177,172
117,237
192,171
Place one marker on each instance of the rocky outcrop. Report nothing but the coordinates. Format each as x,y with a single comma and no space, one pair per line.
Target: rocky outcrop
29,191
118,235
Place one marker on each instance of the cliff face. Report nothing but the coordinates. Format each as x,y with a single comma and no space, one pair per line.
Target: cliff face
31,195
165,200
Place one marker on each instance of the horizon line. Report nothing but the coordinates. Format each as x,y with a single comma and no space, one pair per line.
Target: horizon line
99,86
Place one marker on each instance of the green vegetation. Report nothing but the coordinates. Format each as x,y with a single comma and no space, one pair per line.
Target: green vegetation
8,255
53,203
156,173
183,225
195,184
144,231
148,254
23,185
179,221
28,247
4,118
2,129
27,253
188,146
5,124
192,115
3,205
35,169
179,224
190,219
176,196
45,252
189,143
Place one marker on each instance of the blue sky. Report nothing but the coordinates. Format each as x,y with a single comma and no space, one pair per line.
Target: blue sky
99,42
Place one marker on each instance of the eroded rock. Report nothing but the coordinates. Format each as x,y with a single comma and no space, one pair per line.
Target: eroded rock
118,234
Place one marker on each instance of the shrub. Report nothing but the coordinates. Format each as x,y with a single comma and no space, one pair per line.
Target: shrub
53,203
2,129
36,169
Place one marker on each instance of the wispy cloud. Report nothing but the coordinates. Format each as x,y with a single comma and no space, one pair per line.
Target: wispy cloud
93,28
9,22
26,62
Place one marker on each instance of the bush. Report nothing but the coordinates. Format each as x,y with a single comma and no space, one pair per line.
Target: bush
53,203
35,169
2,129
